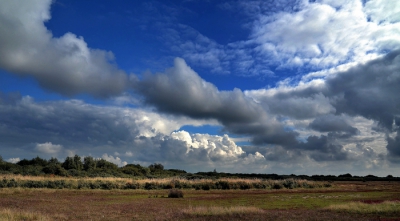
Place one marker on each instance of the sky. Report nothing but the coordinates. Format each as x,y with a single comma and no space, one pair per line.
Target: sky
242,86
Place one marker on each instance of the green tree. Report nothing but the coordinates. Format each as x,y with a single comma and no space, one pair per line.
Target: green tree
78,162
89,163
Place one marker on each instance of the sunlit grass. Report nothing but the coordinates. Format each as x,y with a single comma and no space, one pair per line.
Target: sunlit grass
365,208
14,215
155,183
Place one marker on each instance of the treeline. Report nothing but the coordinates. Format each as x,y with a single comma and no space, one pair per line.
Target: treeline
273,176
87,167
77,166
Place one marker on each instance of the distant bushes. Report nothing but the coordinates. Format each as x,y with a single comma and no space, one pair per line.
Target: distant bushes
155,184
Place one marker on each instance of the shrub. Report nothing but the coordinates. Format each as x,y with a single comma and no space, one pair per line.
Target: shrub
175,193
205,186
290,183
259,185
169,185
277,186
134,185
151,186
244,185
222,185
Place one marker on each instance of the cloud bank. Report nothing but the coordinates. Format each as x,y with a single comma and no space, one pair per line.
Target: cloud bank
345,120
65,64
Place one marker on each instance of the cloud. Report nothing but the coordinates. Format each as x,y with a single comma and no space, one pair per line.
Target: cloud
48,148
324,34
332,123
65,65
14,160
324,149
181,91
115,160
367,90
77,125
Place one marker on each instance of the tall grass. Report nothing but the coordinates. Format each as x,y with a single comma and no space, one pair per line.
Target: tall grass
364,208
13,181
14,215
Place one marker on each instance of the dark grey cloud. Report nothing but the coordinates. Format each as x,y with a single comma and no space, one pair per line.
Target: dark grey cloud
370,90
73,123
65,65
393,146
332,123
323,148
181,91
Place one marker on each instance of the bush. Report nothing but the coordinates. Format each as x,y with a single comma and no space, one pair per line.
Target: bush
244,185
175,193
224,185
290,184
206,186
277,186
134,185
151,186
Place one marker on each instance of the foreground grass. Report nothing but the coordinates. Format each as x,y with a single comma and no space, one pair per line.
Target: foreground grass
251,204
386,207
14,215
218,210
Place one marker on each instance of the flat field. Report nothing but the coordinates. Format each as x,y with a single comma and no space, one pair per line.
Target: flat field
343,201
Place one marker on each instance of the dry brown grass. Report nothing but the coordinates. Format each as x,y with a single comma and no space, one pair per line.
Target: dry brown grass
283,204
219,210
16,215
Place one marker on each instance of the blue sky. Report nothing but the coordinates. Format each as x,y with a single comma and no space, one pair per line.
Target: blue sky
305,87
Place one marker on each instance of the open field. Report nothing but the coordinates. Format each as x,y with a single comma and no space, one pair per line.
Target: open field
342,201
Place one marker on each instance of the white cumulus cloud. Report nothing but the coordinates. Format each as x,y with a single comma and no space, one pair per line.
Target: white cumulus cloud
48,148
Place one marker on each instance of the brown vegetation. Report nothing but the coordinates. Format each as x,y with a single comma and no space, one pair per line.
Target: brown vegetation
251,204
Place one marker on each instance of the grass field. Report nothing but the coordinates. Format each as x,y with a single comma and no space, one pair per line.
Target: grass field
342,201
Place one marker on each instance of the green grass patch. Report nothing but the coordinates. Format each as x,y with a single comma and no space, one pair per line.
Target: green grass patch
387,207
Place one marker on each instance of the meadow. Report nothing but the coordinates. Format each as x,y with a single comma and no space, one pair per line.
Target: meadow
304,200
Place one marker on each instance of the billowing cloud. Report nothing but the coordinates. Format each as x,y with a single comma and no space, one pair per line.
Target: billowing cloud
115,160
332,123
14,160
181,91
368,90
76,124
327,33
48,148
65,64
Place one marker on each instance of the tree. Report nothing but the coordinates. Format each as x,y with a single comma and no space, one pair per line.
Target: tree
89,163
68,163
156,166
347,175
78,162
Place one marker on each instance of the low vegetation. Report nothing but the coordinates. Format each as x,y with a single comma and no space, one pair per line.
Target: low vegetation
40,189
330,204
175,193
14,181
219,210
386,207
14,215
